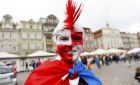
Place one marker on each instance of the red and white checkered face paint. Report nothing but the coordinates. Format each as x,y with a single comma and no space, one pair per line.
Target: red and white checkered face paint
69,44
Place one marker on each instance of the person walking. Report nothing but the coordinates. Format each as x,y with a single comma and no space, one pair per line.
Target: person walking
97,61
26,66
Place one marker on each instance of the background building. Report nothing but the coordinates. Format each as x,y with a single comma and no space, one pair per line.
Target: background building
126,40
130,40
88,44
138,35
31,37
107,38
48,25
133,40
9,35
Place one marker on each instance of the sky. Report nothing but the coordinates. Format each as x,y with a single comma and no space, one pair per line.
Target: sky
120,14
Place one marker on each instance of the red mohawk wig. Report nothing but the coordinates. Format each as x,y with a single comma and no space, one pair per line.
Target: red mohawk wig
72,14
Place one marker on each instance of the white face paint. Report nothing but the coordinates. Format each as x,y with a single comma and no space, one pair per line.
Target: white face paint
66,47
63,38
78,50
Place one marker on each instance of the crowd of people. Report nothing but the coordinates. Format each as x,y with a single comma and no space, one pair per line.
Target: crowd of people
34,64
106,60
101,60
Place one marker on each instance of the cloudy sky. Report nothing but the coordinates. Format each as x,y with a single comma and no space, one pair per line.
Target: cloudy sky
120,14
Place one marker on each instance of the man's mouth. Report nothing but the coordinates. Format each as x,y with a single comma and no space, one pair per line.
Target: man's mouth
71,52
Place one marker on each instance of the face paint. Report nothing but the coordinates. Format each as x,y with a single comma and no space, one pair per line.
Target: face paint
69,45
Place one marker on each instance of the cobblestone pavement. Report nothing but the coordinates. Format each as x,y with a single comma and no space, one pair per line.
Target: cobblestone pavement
22,77
115,74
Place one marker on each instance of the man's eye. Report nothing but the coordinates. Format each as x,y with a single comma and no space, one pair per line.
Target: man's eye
64,38
77,38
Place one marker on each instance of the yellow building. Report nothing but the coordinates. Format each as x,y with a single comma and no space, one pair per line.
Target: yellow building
108,37
31,37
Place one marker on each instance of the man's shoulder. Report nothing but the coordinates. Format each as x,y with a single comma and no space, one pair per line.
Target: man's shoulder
48,64
50,61
45,67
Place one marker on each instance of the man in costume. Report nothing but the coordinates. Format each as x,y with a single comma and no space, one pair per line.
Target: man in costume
67,69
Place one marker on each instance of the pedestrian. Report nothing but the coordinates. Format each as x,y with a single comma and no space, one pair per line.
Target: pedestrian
67,69
84,61
128,61
97,61
26,67
89,63
107,60
34,65
137,74
38,62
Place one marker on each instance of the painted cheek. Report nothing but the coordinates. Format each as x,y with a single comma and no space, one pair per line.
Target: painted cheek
62,51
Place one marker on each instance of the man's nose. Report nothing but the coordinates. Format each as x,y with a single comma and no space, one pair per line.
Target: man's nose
72,43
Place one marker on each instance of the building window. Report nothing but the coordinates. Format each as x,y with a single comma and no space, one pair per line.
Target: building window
6,35
90,38
32,36
86,38
1,36
92,45
24,45
6,47
24,35
87,45
15,36
0,47
23,25
14,46
37,26
32,45
38,45
49,48
31,26
7,25
38,36
83,45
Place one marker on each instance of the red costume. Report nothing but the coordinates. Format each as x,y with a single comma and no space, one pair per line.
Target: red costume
68,70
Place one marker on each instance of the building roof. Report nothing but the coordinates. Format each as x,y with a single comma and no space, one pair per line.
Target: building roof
8,16
52,16
87,30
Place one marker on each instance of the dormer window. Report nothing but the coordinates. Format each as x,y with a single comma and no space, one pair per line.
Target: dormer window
31,26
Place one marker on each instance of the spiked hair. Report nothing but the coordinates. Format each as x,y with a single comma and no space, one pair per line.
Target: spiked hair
72,14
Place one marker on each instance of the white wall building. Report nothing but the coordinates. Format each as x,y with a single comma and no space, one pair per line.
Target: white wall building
9,35
107,38
88,42
133,40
